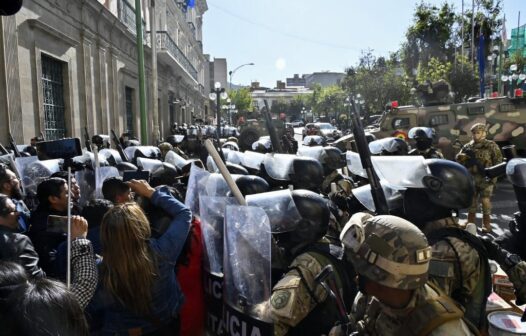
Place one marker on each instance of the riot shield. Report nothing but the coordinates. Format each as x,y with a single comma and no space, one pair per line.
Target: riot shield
151,152
101,174
196,183
389,145
110,155
211,165
279,207
315,152
313,140
86,182
33,171
396,172
279,166
516,172
252,160
175,159
148,164
263,141
364,196
234,157
247,265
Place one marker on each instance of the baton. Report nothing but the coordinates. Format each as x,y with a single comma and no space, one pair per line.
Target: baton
224,171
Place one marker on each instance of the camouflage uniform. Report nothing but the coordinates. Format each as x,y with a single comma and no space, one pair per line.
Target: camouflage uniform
456,267
430,153
299,304
344,184
488,154
394,253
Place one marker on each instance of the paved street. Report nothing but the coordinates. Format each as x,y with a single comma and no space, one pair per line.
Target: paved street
503,200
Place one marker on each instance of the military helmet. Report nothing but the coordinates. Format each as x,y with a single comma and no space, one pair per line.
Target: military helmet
307,173
478,127
232,139
388,250
165,146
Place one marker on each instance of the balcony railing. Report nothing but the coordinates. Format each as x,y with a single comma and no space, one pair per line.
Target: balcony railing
127,16
164,41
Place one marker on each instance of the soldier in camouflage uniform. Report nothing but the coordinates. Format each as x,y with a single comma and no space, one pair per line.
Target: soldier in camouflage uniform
392,257
459,264
478,154
300,305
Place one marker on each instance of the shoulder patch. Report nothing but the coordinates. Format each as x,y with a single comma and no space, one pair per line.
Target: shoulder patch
280,299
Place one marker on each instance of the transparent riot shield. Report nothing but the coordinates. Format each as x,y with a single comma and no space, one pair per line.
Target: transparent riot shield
111,155
364,196
212,215
316,152
396,172
247,265
175,159
148,164
86,182
196,182
101,174
33,171
252,160
279,166
234,157
279,207
211,165
516,172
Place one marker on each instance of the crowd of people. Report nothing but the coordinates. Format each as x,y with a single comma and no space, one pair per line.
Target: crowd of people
135,258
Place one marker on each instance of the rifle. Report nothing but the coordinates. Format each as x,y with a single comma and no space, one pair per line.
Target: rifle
472,161
13,145
118,146
87,141
377,192
276,144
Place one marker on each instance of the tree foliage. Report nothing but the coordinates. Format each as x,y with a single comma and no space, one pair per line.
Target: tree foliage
242,99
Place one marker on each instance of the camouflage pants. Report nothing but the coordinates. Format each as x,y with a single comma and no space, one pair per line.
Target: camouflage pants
483,190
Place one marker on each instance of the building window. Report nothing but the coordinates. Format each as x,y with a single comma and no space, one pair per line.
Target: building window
53,92
129,109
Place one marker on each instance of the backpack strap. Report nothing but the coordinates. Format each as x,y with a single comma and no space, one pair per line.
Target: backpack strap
432,314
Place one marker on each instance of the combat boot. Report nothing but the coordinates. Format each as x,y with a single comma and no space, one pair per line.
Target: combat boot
486,221
471,217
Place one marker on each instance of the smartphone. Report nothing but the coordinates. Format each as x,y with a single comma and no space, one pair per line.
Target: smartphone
57,224
136,175
59,149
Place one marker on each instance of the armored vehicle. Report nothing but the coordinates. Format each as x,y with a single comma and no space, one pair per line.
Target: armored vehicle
505,119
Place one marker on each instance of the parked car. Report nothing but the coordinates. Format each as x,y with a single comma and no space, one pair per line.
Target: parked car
310,129
297,123
329,131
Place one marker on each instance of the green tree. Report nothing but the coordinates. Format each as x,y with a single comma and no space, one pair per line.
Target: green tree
242,99
330,101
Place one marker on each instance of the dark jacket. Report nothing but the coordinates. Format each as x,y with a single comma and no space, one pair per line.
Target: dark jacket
167,296
18,248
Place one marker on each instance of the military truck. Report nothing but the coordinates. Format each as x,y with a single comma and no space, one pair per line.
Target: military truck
505,117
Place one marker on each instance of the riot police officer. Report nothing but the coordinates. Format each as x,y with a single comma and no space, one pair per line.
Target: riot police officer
391,257
459,264
300,305
423,137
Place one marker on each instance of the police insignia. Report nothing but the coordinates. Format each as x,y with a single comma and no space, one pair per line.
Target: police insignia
280,299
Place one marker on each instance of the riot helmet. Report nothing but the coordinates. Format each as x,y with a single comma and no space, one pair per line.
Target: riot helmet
449,187
388,146
165,174
388,250
251,184
307,173
423,137
333,158
124,166
236,169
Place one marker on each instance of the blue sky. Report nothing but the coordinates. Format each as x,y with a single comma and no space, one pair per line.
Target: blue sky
303,36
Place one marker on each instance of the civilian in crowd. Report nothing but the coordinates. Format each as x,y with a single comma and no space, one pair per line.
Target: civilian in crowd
138,292
18,248
75,189
10,186
37,307
52,196
116,191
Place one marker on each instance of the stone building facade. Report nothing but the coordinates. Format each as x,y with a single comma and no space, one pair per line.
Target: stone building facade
70,64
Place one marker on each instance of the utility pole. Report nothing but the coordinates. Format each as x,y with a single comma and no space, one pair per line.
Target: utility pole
140,64
462,30
155,94
473,33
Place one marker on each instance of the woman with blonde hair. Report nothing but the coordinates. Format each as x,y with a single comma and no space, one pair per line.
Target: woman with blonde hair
138,291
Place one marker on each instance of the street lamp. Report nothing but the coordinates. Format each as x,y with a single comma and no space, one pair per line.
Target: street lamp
232,72
228,101
216,95
303,114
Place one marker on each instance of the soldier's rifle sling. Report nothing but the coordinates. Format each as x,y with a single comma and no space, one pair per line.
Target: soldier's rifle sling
326,279
377,192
